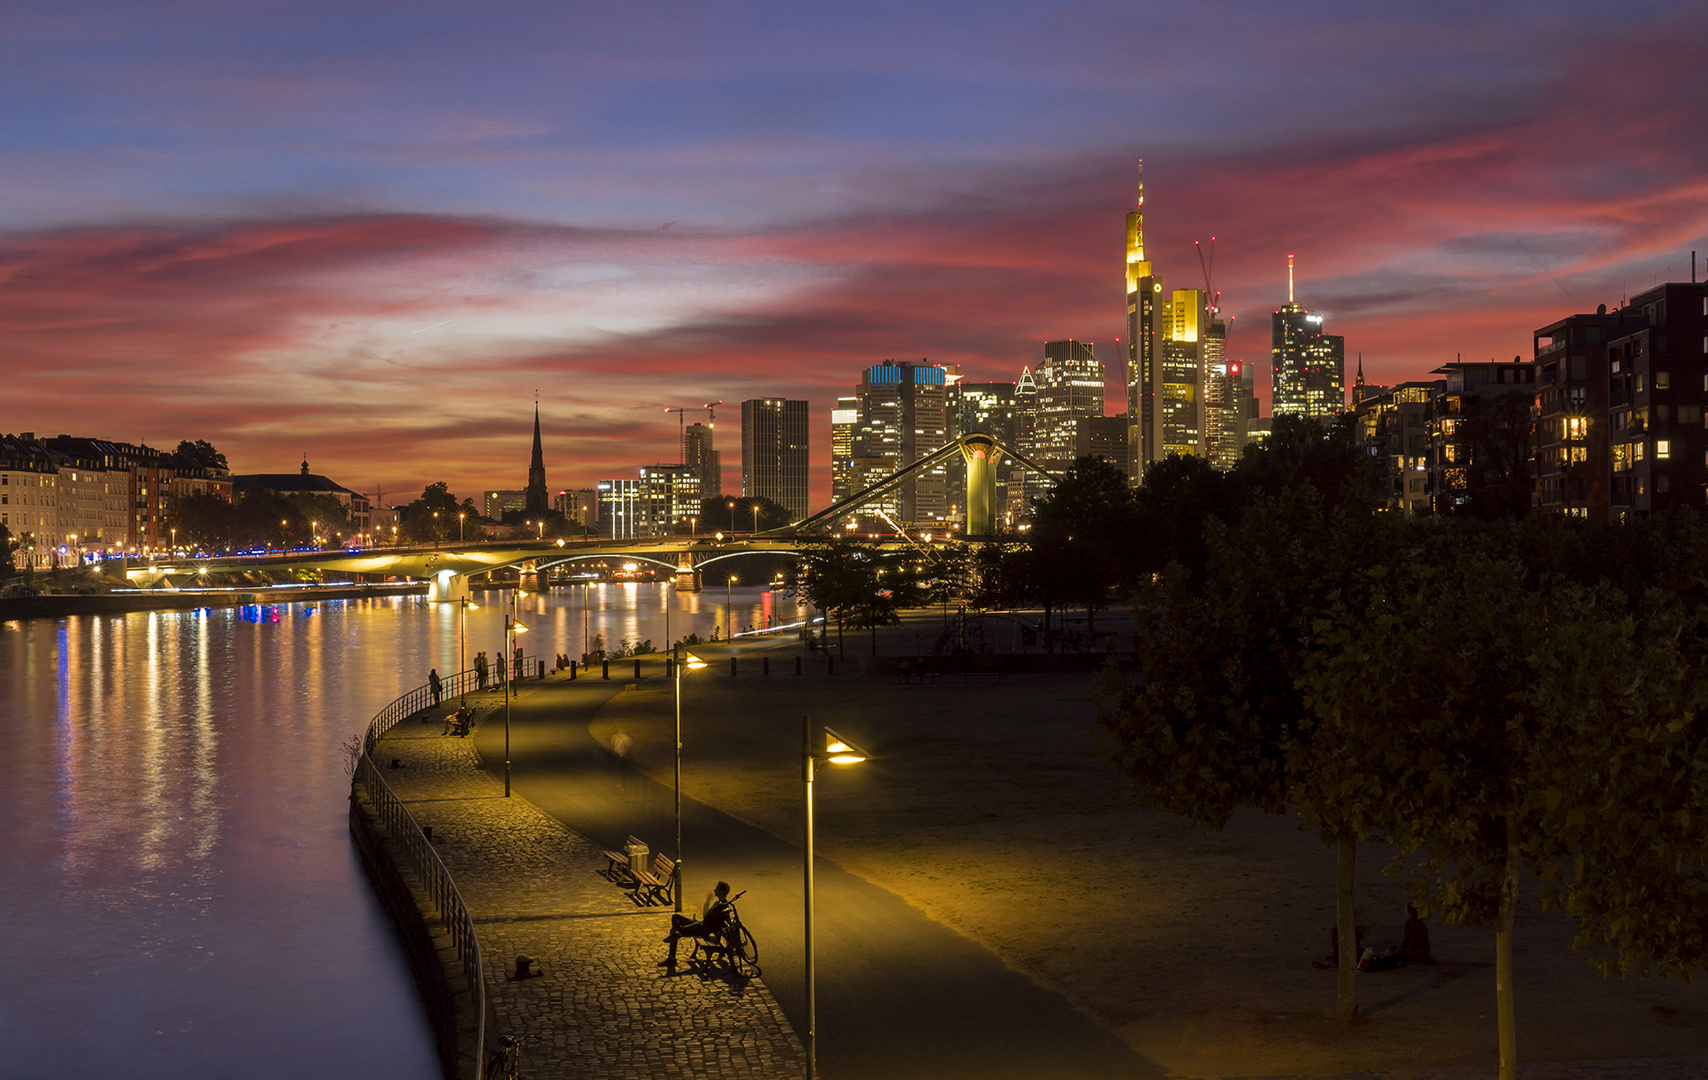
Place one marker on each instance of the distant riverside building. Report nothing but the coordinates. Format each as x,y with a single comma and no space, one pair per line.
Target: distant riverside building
843,419
536,501
904,416
71,494
495,504
303,482
666,497
1393,427
579,506
775,461
1308,366
699,454
1183,349
619,508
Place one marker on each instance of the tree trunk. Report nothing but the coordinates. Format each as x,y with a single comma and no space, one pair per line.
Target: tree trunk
1049,644
1505,1009
874,637
841,645
1346,924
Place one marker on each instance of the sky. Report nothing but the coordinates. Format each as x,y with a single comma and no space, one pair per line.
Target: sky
370,233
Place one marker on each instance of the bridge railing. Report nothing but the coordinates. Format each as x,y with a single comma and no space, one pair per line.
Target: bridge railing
415,852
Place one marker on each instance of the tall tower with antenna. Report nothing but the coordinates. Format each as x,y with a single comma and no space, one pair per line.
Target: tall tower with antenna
1143,430
1308,366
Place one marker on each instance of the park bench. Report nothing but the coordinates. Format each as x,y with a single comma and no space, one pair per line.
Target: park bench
458,723
618,868
654,888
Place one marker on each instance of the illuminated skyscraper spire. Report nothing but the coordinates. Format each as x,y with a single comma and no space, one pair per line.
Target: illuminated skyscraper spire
1142,288
1137,265
1289,279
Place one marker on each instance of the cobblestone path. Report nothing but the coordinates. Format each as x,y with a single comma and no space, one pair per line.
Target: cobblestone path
1679,1068
603,1008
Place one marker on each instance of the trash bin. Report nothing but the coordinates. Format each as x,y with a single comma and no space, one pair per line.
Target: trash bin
638,855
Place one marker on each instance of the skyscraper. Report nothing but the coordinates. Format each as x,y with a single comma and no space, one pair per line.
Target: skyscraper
904,416
1308,366
537,503
665,498
1070,386
699,455
843,419
774,460
1180,375
1143,426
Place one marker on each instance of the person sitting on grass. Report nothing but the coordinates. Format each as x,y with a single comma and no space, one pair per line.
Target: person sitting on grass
1414,942
713,920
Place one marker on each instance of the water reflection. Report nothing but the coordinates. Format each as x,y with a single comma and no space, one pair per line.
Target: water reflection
180,892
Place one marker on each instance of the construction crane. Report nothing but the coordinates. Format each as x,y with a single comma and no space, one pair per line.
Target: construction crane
1212,299
711,408
681,430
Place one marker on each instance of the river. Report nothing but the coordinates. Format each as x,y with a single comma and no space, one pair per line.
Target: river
179,892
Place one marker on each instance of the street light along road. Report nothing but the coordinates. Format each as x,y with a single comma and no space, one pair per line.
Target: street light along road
837,751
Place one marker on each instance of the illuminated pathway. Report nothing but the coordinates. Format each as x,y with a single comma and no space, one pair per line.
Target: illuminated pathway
898,994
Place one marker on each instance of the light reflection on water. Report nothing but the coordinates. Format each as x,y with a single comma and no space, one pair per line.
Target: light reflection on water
179,891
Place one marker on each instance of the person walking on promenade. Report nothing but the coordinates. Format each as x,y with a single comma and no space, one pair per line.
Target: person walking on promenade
433,684
480,670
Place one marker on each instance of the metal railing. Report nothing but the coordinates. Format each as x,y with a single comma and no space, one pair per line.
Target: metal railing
416,851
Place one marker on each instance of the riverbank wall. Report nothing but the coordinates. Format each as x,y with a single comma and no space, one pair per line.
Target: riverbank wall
56,605
433,958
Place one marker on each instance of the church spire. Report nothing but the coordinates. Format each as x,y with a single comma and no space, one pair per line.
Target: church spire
536,504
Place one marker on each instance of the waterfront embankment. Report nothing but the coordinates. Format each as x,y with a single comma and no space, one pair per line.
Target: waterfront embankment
56,605
602,1006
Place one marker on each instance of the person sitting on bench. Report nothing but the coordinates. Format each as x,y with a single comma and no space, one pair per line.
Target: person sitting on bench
713,920
1414,943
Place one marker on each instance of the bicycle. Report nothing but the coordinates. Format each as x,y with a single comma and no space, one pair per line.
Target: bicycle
734,943
505,1059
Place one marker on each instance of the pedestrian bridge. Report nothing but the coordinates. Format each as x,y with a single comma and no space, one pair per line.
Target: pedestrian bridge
448,566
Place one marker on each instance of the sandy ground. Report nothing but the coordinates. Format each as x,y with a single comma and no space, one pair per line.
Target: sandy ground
988,807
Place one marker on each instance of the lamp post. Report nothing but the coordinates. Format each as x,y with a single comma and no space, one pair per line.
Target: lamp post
694,663
837,751
756,517
732,516
460,516
463,635
729,609
512,627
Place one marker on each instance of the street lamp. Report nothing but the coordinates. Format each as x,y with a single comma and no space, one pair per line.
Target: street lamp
732,516
729,609
755,516
463,634
460,516
512,627
694,663
435,528
837,751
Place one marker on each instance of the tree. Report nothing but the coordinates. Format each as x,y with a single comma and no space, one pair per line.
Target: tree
1080,532
8,565
1499,433
433,517
203,452
1213,719
850,581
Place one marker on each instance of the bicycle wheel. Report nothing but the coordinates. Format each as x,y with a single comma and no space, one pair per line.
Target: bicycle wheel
745,954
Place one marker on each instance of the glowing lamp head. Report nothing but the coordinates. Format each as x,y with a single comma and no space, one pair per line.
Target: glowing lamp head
517,628
839,751
692,662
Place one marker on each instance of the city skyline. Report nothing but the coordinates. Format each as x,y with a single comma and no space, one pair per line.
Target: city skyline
248,230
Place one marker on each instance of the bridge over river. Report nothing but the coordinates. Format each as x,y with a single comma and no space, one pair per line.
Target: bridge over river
448,566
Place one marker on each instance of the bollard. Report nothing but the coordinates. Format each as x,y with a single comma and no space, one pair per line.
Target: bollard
637,669
765,667
669,668
605,669
797,665
831,660
542,669
572,671
732,667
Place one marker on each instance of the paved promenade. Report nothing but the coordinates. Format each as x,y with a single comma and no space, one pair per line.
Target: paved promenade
906,997
603,1008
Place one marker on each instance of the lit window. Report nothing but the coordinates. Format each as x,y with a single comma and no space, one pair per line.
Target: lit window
1663,380
1663,449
